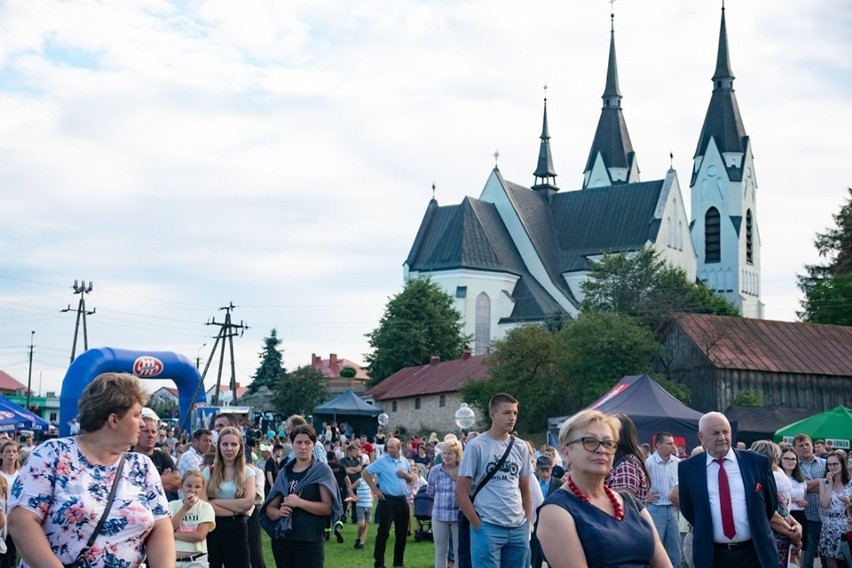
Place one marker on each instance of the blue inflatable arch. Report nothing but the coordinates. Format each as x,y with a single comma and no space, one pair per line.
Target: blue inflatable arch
143,364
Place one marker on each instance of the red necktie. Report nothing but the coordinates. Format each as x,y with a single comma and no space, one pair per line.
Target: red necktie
725,501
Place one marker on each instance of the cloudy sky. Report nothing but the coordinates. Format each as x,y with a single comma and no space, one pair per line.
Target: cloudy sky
280,155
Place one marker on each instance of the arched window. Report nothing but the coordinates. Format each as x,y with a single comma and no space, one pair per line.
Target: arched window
749,238
712,236
482,330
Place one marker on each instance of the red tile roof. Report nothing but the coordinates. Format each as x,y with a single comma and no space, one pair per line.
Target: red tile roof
9,383
331,367
772,346
433,378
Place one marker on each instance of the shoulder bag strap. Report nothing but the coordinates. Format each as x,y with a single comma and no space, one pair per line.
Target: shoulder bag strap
494,471
110,499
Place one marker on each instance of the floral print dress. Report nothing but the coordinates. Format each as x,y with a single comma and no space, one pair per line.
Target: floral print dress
833,525
69,494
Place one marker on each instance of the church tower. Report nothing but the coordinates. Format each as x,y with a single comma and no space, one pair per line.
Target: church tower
723,186
545,174
611,159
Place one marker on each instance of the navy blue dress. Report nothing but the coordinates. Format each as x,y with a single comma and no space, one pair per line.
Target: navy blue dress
628,543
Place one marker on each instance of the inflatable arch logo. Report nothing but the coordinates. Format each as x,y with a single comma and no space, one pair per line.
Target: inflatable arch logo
143,364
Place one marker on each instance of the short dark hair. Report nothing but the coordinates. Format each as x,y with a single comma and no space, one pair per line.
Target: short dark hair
658,438
500,398
232,420
298,420
802,438
200,432
306,429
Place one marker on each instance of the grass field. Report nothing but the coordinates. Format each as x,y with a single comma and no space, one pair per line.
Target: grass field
417,554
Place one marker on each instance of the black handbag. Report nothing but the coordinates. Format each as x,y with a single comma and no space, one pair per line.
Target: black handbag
78,562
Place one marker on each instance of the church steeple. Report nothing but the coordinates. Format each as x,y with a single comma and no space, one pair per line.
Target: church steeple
611,158
545,174
723,122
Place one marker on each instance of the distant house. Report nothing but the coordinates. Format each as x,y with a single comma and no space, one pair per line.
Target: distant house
425,398
226,396
788,364
332,367
166,395
10,385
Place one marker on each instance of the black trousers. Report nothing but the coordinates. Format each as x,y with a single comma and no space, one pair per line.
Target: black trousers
8,560
391,510
228,544
742,557
254,542
298,553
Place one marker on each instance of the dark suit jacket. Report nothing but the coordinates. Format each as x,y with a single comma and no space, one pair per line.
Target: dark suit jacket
761,503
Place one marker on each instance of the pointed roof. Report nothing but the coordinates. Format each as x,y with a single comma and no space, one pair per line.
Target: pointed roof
723,122
612,141
347,403
545,174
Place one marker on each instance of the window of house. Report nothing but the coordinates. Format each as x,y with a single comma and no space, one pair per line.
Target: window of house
393,406
417,403
749,236
712,236
461,292
442,401
482,329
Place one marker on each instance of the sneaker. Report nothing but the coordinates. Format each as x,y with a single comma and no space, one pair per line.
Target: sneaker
358,545
338,532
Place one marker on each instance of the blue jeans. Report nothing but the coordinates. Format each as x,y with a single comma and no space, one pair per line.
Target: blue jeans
813,528
665,519
493,546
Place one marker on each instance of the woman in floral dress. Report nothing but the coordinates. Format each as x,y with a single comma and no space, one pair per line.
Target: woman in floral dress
834,493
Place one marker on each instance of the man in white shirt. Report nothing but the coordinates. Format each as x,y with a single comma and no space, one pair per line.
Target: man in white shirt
662,470
192,458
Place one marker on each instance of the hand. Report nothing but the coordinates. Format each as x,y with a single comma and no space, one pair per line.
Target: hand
284,511
292,500
378,493
401,473
476,524
653,497
189,500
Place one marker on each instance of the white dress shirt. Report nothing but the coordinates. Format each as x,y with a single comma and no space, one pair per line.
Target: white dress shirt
738,498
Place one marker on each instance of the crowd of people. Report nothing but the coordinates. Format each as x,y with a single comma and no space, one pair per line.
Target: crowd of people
202,499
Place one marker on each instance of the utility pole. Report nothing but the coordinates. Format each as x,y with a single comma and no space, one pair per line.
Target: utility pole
30,372
81,289
227,331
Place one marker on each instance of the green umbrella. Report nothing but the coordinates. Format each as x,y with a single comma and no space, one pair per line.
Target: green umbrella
834,426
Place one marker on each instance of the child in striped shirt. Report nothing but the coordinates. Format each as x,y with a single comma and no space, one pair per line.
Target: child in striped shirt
363,499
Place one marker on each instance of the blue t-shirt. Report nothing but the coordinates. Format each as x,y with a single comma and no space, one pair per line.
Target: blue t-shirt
385,469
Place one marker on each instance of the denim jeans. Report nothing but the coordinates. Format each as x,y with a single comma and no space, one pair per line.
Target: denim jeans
493,546
665,519
813,528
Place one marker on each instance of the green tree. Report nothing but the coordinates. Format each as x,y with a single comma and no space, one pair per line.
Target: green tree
271,366
828,286
528,364
300,390
417,323
644,286
553,373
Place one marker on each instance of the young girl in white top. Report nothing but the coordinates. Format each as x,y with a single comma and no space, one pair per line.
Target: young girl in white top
193,519
230,489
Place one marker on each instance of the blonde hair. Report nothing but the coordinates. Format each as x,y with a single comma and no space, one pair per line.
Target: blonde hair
455,447
4,486
193,473
218,475
583,419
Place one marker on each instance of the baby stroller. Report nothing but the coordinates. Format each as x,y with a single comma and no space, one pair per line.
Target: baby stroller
423,515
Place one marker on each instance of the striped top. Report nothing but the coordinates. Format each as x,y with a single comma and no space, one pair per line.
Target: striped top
663,476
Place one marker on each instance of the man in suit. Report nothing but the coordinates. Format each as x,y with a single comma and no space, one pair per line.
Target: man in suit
729,497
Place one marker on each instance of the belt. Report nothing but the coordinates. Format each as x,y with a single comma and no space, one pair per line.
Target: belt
191,558
395,497
733,545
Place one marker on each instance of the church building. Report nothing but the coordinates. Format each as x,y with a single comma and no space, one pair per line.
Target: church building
518,254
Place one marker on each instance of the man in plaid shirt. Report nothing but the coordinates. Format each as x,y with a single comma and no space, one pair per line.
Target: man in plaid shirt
813,468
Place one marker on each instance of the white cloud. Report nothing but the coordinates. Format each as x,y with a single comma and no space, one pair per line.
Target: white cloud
280,154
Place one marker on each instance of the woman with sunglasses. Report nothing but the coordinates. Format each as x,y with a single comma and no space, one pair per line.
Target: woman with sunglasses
834,494
586,524
798,488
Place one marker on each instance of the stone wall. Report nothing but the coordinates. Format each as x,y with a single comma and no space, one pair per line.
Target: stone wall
430,417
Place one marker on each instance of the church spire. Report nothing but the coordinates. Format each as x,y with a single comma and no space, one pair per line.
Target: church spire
723,122
545,174
611,158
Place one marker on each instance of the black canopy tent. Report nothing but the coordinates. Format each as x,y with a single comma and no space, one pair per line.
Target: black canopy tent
651,407
348,407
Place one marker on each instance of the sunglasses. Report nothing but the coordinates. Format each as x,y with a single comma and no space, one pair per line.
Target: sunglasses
592,444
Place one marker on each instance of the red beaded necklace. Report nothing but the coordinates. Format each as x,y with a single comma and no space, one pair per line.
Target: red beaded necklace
616,506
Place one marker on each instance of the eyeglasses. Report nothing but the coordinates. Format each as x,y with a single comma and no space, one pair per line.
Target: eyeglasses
592,444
